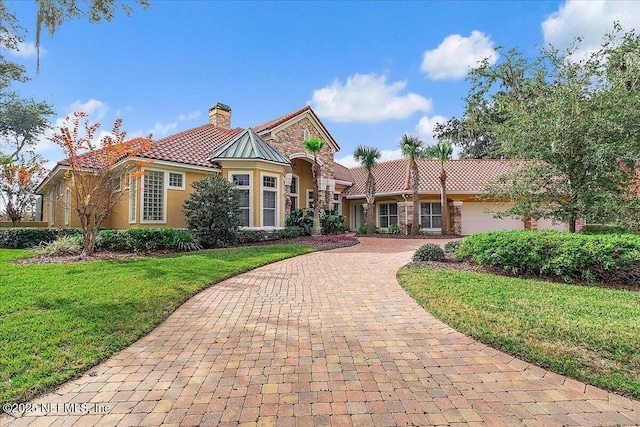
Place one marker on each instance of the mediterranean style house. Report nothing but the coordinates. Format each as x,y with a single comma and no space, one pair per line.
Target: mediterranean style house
271,169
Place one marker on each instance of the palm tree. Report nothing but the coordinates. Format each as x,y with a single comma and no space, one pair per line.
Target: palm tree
411,148
314,145
443,151
368,156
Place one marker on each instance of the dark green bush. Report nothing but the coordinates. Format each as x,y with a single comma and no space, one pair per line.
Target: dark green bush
30,237
570,256
212,211
332,222
452,246
302,218
362,229
429,252
394,229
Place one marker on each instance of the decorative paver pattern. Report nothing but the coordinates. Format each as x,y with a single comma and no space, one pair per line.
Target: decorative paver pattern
328,338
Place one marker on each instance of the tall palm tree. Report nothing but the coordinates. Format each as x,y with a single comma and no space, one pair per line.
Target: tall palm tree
411,148
443,151
368,157
314,145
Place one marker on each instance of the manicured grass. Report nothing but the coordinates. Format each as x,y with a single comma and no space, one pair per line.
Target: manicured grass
588,333
57,320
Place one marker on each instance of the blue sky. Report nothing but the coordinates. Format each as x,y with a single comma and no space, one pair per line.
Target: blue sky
371,70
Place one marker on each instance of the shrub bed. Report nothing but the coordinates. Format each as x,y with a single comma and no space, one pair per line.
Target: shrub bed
590,257
29,237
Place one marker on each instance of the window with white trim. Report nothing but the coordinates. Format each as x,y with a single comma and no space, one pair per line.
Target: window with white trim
133,200
310,199
293,193
243,185
153,197
176,180
337,203
430,215
67,206
116,184
269,200
387,214
306,135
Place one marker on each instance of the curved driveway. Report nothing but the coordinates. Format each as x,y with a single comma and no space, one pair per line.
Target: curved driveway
328,338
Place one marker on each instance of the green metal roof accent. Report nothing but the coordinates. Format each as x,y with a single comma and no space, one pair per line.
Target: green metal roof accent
248,145
220,106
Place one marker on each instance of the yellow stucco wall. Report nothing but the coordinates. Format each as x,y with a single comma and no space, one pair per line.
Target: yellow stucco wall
256,170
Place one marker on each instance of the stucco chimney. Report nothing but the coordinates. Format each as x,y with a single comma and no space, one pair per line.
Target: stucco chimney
220,115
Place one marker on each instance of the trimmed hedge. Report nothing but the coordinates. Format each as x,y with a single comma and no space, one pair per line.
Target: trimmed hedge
30,237
256,236
134,239
570,256
145,239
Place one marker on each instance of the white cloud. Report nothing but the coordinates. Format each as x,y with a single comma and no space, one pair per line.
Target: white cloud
425,126
456,54
94,108
189,116
589,20
367,98
28,50
349,161
162,129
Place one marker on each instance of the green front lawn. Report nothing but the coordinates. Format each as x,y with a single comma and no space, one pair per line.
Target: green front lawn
591,334
57,320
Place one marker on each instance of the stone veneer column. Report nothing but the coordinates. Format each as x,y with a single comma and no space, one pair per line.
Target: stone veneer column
455,212
409,217
287,196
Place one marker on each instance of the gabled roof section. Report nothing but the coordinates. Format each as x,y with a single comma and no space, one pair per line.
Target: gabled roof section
464,176
192,146
306,111
248,145
342,173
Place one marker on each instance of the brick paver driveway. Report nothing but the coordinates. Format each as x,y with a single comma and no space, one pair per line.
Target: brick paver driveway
327,338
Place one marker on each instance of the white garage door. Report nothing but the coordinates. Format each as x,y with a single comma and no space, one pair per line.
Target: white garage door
547,224
476,219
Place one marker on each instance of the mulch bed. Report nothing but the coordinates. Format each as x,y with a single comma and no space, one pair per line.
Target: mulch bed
409,236
321,243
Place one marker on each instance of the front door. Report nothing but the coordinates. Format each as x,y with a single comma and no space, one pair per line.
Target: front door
357,215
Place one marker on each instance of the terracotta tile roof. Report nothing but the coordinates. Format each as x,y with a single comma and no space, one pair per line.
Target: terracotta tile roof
90,160
342,173
463,176
192,146
278,121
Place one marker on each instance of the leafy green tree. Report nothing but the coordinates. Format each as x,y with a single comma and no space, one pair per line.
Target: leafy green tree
53,13
412,148
212,211
368,157
22,121
474,132
574,123
314,145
